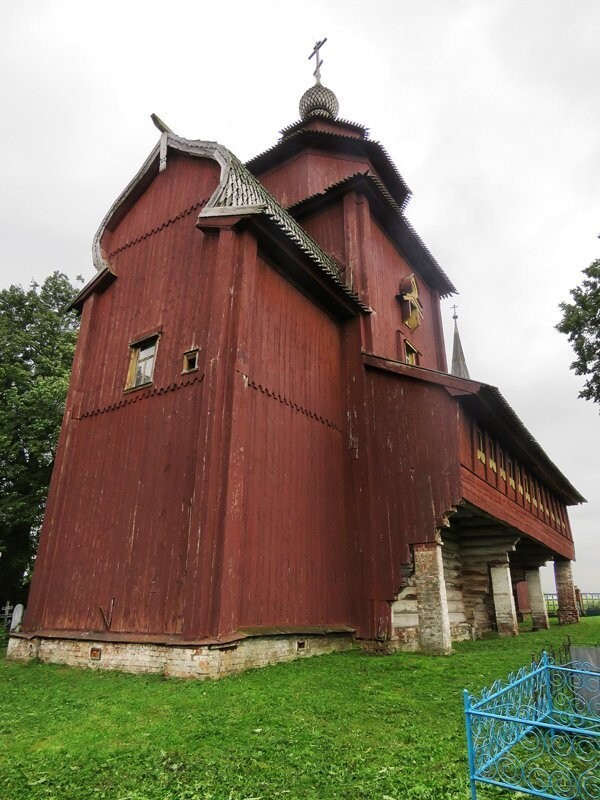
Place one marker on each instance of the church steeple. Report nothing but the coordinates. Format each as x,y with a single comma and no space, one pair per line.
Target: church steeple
459,365
318,101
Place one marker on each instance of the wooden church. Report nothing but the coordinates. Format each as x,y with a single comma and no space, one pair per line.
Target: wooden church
263,454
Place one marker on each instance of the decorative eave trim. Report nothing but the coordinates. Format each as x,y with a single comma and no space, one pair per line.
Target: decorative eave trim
370,148
231,211
238,194
154,164
343,123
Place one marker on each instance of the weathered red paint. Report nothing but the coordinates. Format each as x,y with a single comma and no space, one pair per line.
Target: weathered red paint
283,483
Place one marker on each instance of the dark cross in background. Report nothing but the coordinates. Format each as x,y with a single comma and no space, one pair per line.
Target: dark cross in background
455,315
315,52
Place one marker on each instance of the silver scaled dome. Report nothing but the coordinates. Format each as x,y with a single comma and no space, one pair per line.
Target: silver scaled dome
319,101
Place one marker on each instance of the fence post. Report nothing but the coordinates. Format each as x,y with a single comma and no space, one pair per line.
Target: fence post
470,748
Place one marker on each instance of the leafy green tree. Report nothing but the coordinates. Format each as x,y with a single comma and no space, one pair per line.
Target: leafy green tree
581,323
37,340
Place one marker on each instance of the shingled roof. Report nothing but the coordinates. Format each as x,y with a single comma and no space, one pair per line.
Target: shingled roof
238,193
298,139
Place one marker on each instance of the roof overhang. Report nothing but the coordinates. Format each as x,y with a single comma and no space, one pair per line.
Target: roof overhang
292,262
238,194
390,217
96,285
337,142
486,404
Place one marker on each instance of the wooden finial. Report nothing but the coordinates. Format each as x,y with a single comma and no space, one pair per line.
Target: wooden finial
162,126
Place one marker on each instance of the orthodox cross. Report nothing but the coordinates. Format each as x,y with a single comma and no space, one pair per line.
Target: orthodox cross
455,315
315,52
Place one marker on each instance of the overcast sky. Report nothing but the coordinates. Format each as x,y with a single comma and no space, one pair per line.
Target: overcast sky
490,109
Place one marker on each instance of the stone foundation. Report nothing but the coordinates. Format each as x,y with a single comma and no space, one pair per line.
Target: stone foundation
212,661
420,612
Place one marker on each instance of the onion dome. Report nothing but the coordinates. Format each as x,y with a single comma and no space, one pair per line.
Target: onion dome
319,101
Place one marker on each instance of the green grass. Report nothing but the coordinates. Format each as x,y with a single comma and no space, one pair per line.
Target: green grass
343,726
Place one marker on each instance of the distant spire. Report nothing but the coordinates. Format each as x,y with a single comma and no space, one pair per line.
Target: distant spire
459,365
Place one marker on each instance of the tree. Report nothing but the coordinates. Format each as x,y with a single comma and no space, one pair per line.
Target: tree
37,340
581,323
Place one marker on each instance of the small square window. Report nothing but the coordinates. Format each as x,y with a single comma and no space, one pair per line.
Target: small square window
141,363
190,361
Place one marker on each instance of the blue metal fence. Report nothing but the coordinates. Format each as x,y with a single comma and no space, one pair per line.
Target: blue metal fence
538,733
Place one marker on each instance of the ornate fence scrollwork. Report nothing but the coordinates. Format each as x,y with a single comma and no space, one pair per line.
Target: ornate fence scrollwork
538,732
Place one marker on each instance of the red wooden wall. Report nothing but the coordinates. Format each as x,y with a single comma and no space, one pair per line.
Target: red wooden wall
309,173
281,484
376,270
292,568
412,454
118,512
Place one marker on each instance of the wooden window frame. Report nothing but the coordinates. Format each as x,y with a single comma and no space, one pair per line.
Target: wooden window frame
502,463
411,350
492,454
190,357
480,444
136,347
511,473
527,487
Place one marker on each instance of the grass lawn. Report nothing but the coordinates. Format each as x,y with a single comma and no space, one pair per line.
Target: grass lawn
340,726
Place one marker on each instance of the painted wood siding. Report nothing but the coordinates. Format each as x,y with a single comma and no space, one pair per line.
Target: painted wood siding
120,530
117,521
293,565
415,472
385,267
310,172
374,267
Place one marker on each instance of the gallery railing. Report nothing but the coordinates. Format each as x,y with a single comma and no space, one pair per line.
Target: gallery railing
538,733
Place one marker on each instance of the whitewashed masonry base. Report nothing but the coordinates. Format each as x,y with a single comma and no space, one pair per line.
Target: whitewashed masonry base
202,662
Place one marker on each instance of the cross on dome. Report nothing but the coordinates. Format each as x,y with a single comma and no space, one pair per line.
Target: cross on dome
318,101
315,52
